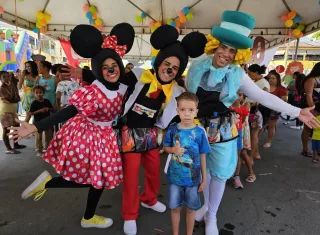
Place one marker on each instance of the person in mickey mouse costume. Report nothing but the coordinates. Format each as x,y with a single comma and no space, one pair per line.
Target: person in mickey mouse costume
84,151
216,80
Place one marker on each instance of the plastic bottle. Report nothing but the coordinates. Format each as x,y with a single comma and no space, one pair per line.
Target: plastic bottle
213,133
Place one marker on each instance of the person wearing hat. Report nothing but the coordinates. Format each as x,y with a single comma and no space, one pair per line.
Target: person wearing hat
216,80
150,104
84,151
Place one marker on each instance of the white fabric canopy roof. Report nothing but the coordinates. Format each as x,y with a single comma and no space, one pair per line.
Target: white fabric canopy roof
207,13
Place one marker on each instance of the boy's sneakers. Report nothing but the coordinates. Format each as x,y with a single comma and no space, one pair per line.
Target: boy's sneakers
96,222
237,182
37,187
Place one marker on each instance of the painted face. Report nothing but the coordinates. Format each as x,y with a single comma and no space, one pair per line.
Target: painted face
273,80
38,93
28,67
187,111
110,70
5,78
223,56
168,69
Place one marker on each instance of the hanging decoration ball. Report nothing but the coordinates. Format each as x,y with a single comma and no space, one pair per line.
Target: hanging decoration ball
292,14
301,27
98,22
180,13
301,35
178,29
47,17
138,19
158,24
1,10
183,19
143,15
153,60
40,15
92,9
173,24
89,15
153,29
20,0
35,30
189,16
296,32
43,22
185,10
91,21
177,22
297,19
100,27
169,21
289,23
38,25
151,24
284,18
280,68
94,15
86,7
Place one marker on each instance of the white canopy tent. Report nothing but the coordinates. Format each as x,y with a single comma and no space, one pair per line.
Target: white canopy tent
66,14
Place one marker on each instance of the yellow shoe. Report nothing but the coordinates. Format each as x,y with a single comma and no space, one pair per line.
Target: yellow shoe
96,222
37,187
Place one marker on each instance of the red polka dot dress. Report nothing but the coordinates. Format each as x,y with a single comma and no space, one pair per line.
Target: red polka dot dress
85,149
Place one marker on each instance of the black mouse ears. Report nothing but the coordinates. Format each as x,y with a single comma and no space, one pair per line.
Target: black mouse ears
165,35
86,40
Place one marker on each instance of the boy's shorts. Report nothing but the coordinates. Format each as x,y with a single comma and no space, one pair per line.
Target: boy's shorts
239,140
316,145
188,196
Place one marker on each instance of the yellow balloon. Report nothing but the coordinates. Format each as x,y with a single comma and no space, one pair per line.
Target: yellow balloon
40,15
157,25
154,52
289,23
296,32
43,22
98,22
38,25
292,14
47,17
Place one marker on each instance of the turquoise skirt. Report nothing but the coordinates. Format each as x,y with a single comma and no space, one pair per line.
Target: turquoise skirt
222,160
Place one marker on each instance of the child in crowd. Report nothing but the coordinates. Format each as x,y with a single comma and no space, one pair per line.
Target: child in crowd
9,98
242,112
316,136
188,145
40,108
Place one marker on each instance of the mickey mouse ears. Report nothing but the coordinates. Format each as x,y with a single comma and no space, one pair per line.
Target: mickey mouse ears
86,40
194,42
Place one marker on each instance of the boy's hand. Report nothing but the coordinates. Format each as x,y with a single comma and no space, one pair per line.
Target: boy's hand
202,186
177,150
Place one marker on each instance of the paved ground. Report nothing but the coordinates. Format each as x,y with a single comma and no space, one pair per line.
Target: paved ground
284,200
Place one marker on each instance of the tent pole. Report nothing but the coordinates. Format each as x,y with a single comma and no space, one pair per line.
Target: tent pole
296,51
286,53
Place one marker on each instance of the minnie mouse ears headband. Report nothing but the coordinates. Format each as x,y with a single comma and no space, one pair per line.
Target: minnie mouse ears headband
166,35
88,41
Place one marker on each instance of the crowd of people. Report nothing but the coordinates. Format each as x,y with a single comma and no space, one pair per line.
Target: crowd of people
101,125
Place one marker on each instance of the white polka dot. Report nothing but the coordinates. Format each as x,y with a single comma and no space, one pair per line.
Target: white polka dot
80,180
99,173
103,155
74,176
88,180
109,169
91,173
75,143
81,156
108,105
79,134
77,150
120,168
104,101
95,178
87,150
89,97
110,178
105,111
91,163
119,159
55,144
71,169
61,163
99,183
78,166
117,177
84,170
115,168
67,178
64,152
100,96
100,106
59,136
121,176
74,159
86,160
108,159
68,163
107,183
71,153
53,159
105,174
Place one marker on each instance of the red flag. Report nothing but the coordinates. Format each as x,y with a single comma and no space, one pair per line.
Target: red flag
72,56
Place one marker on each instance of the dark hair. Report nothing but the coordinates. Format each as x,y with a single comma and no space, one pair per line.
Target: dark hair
54,68
317,108
188,96
34,68
273,71
278,77
87,76
299,83
315,72
46,64
296,73
86,67
3,72
38,87
255,68
129,64
59,69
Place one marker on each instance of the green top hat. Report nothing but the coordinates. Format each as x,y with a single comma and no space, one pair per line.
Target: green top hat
235,29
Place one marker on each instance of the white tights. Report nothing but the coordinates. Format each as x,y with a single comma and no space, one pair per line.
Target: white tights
213,194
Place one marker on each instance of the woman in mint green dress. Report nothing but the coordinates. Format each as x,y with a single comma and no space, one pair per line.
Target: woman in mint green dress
27,81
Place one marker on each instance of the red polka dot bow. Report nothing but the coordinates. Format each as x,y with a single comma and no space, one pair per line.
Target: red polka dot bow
111,42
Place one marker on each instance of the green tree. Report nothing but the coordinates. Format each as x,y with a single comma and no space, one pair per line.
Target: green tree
315,36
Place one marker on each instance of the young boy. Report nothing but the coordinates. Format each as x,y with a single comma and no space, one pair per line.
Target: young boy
186,174
316,136
40,108
242,112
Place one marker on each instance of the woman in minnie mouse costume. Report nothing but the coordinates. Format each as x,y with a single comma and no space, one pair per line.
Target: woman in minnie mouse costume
85,151
149,93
